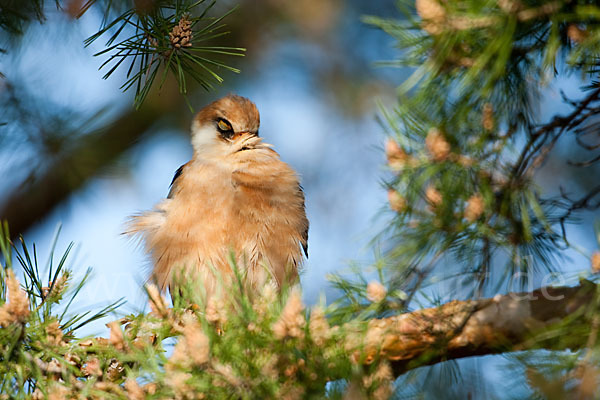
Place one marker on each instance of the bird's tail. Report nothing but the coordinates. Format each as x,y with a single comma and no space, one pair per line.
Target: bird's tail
144,224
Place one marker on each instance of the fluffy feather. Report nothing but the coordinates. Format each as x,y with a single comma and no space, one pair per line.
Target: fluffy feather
234,197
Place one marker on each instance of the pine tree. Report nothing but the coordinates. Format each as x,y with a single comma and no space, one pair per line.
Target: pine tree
466,139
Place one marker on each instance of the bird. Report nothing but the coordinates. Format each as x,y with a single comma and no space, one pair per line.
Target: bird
234,203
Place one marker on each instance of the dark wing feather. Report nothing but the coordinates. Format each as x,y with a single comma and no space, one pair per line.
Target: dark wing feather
305,233
305,242
173,182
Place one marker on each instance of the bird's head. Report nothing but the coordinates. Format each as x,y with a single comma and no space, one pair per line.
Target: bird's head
226,126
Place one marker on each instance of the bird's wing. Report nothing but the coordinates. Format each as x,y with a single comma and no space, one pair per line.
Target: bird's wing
173,185
304,241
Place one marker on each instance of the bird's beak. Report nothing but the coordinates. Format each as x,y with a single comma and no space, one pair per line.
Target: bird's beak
238,135
246,141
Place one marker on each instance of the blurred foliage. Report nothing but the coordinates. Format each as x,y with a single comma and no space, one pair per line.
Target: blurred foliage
467,139
16,14
38,326
239,344
252,346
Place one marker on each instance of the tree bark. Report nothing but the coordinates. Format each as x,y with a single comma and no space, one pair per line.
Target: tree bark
555,318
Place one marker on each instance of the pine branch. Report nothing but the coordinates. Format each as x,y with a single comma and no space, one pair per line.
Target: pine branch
171,36
543,139
458,329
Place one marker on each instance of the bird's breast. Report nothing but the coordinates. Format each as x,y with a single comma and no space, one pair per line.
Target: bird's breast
253,211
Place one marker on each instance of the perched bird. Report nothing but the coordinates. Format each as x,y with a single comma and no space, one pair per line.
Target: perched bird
236,197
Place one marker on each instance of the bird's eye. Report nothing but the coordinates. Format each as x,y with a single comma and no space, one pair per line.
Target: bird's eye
224,126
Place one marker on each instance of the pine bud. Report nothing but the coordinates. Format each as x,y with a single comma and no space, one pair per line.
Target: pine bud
228,374
58,392
465,161
510,6
58,290
488,117
158,304
396,157
193,348
392,150
150,388
433,196
92,367
54,334
433,15
436,145
216,311
576,34
397,202
291,321
381,380
116,335
595,261
376,292
475,207
197,343
177,380
17,307
181,34
318,326
37,394
134,391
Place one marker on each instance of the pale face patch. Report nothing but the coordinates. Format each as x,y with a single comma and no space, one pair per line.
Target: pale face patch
204,137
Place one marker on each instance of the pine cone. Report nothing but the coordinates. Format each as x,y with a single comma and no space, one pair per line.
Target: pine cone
181,35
